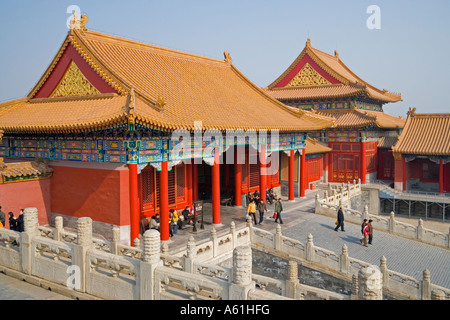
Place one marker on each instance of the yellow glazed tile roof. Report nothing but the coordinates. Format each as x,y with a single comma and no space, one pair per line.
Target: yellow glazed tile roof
59,115
337,69
313,146
425,134
168,89
23,170
354,118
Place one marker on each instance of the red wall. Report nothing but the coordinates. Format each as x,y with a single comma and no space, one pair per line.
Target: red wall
25,194
101,194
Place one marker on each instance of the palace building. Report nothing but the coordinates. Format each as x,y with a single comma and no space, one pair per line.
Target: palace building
422,153
362,135
100,124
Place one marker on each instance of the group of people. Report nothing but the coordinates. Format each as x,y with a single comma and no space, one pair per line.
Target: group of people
270,196
366,228
257,204
175,220
15,223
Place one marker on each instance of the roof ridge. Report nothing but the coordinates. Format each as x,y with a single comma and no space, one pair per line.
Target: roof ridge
145,45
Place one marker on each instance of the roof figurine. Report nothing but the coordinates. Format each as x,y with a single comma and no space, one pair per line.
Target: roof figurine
79,24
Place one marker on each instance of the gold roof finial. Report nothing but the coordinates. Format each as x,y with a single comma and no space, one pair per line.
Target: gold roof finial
308,42
79,24
227,56
336,54
411,112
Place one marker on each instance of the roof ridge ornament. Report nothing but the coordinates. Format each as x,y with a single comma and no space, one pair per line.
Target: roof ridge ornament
336,54
227,56
308,42
79,24
411,112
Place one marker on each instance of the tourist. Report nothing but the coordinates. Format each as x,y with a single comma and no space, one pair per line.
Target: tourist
256,195
154,222
271,197
186,213
12,221
278,210
173,218
2,217
19,220
370,230
365,238
340,220
251,210
363,225
249,197
261,208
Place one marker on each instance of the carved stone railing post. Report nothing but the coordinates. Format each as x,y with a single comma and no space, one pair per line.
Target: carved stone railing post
58,228
420,230
215,242
343,261
115,240
309,254
80,249
30,220
292,282
448,238
150,260
370,282
365,214
278,239
233,233
191,254
426,285
355,288
384,271
242,273
392,222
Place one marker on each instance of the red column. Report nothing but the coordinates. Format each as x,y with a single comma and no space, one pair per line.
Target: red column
441,176
262,173
405,173
164,201
303,181
363,165
194,182
291,175
398,172
237,180
189,183
216,188
134,202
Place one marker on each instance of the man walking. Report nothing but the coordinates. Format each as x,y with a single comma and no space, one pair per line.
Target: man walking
370,230
278,209
340,220
261,208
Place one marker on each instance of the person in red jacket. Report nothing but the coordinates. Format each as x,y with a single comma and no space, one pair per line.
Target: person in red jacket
365,233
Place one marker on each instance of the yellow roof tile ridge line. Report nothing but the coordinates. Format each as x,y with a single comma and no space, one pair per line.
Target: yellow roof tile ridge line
50,68
383,92
288,70
396,147
145,45
99,67
281,105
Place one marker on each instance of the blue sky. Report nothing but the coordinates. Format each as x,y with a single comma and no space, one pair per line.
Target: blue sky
409,54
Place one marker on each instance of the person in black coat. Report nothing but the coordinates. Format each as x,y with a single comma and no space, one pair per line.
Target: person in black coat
340,219
12,222
20,225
